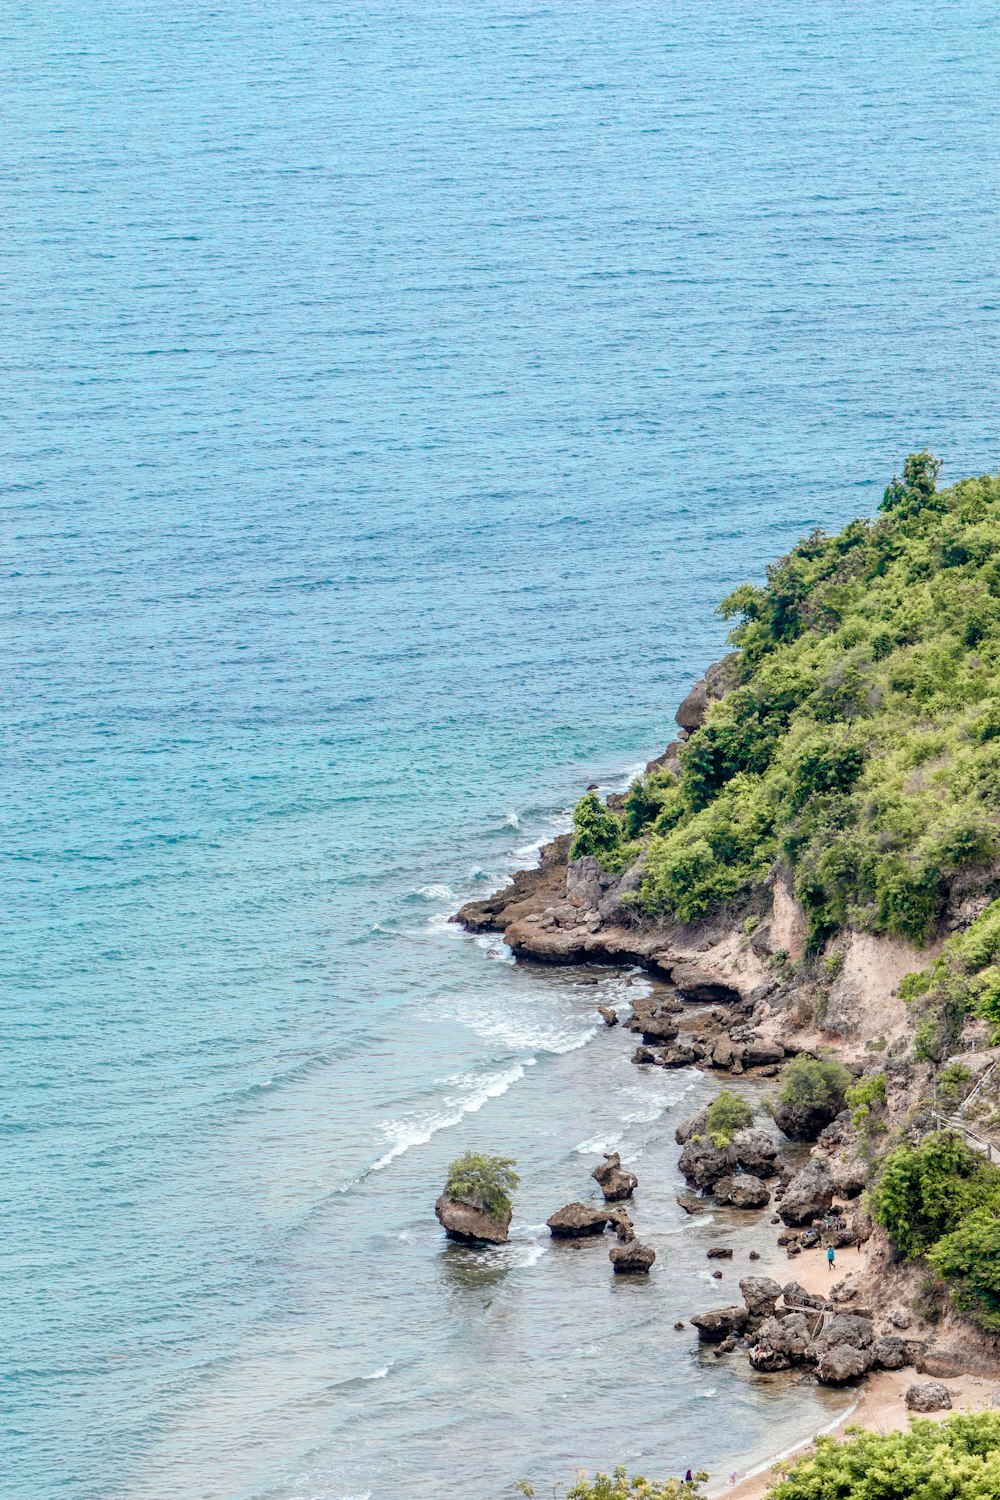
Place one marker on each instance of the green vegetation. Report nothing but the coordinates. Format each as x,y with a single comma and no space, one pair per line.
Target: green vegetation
620,1486
956,1459
484,1182
727,1114
965,980
814,1083
942,1200
860,745
866,1100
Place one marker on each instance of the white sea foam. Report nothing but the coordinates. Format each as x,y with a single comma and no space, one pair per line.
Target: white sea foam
470,1093
378,1374
436,893
512,820
600,1144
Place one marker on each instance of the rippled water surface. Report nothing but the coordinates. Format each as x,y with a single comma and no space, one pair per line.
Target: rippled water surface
389,393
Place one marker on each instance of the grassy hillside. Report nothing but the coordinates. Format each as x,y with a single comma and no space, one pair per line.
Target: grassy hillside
860,747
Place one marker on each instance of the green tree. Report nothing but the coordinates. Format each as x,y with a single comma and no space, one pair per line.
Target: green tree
596,829
727,1114
484,1182
956,1459
814,1082
923,1192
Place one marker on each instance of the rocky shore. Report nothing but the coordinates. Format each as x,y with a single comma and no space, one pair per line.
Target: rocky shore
733,998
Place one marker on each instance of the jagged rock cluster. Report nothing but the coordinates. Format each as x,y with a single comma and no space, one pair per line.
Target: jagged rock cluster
580,1220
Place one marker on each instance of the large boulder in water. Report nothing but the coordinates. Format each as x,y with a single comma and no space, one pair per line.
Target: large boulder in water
755,1152
703,1164
742,1190
577,1220
720,1323
614,1180
469,1225
632,1259
809,1194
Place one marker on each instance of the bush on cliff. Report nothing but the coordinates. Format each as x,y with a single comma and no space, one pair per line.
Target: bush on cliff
942,1199
484,1182
814,1083
964,980
727,1114
861,744
956,1459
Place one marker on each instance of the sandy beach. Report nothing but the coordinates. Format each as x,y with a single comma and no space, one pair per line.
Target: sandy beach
880,1404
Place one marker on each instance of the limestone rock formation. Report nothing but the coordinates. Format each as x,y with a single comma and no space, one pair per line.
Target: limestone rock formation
614,1180
578,1219
696,1124
842,1363
809,1193
760,1293
632,1258
755,1152
702,1164
801,1123
720,1322
929,1395
742,1190
468,1225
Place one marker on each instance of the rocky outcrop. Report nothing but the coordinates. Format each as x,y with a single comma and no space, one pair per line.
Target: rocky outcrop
760,1294
742,1190
608,1015
889,1353
842,1363
527,891
809,1194
469,1225
720,1323
800,1123
702,1164
843,1328
696,1124
632,1258
717,681
755,1152
929,1395
614,1180
795,1296
781,1342
577,1220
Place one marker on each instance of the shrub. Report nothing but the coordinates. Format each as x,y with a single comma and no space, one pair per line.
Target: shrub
956,1459
969,1260
727,1114
814,1083
484,1182
951,1082
620,1486
596,829
924,1192
865,1098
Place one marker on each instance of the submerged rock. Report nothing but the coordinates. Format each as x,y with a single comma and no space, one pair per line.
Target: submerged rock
614,1180
469,1225
577,1220
632,1258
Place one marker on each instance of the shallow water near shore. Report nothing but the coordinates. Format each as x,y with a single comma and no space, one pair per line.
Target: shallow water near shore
390,394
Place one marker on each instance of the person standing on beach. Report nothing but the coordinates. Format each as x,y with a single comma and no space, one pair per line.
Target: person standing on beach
829,1257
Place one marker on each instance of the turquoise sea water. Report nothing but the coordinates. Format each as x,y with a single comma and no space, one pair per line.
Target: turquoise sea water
389,394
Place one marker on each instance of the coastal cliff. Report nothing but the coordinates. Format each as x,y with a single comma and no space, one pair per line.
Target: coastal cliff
811,868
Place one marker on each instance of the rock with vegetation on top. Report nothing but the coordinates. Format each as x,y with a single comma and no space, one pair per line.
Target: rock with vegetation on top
468,1225
614,1180
802,1122
929,1395
577,1220
741,1190
632,1258
809,1193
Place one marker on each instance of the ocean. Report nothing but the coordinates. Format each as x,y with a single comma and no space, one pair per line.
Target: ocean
390,393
